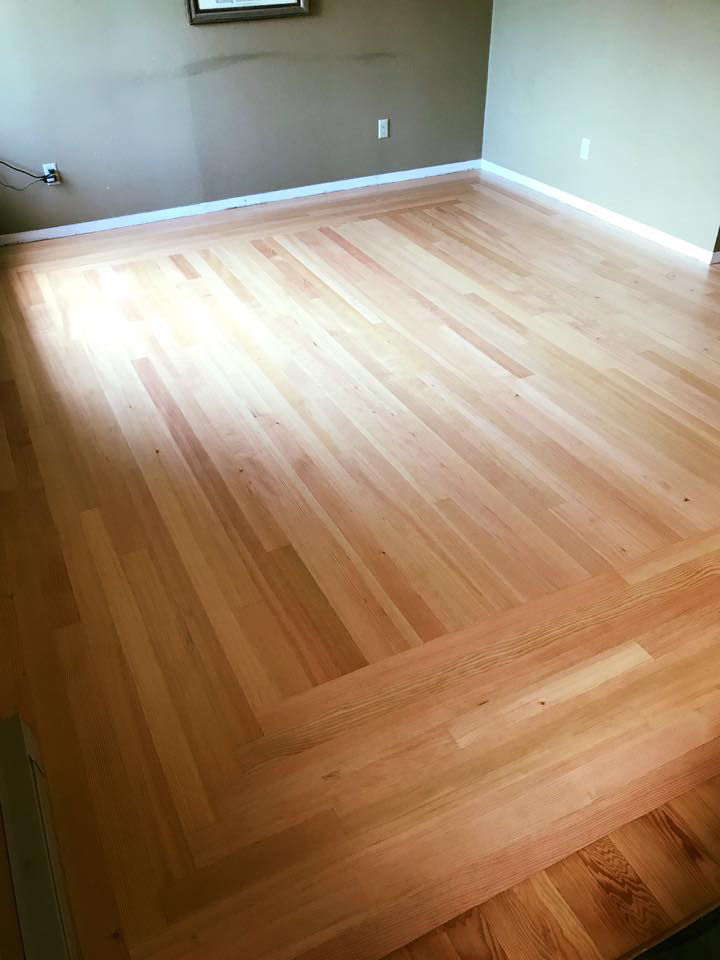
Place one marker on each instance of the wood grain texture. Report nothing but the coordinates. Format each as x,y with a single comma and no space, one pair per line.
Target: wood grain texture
360,558
597,903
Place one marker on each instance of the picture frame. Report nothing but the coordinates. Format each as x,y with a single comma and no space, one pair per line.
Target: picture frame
223,11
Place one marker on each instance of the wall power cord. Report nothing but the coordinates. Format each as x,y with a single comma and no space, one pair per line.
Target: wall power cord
51,177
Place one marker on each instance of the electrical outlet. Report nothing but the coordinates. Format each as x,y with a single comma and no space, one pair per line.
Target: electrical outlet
383,129
585,148
50,170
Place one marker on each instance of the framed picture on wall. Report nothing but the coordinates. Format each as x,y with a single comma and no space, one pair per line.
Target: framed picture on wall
219,11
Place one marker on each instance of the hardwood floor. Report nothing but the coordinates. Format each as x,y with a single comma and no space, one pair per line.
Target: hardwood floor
360,558
611,900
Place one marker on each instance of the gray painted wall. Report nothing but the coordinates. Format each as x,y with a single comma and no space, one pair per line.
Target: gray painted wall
141,111
641,78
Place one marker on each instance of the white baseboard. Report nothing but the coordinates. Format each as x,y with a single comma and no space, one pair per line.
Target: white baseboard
214,206
609,216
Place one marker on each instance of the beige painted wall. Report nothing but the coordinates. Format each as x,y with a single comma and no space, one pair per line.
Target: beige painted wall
640,78
141,111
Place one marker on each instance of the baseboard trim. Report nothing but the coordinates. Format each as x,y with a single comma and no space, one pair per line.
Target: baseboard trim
602,213
215,206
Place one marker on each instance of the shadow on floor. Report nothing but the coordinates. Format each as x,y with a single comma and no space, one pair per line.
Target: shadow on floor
699,941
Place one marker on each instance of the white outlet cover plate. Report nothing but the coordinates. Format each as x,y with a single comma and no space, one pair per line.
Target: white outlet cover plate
52,168
383,129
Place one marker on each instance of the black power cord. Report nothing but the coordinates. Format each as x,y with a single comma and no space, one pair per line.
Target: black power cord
32,183
27,173
34,178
